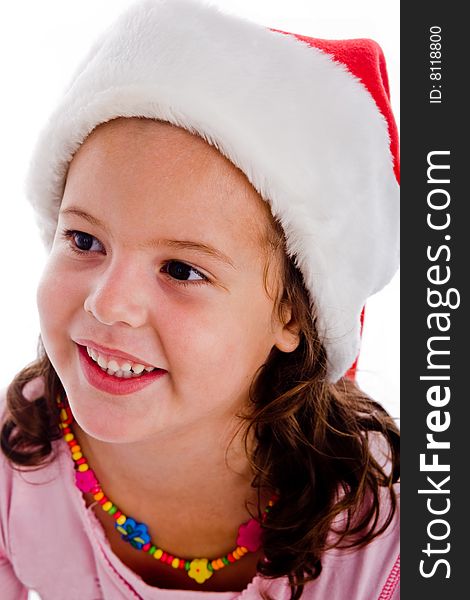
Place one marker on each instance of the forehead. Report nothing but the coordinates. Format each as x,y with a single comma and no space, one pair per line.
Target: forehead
170,177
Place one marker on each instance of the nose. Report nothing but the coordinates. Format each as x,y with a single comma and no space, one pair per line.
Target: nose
117,295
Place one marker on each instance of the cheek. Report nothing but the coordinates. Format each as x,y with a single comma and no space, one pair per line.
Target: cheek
224,339
59,283
57,298
46,295
50,308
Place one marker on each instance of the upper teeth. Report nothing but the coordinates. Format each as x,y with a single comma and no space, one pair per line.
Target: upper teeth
112,367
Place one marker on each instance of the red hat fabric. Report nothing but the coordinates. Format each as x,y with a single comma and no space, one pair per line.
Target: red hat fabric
364,59
307,120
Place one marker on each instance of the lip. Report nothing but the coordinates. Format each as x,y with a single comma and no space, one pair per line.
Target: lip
112,352
118,386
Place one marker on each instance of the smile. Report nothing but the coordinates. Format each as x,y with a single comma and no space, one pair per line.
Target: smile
111,366
115,376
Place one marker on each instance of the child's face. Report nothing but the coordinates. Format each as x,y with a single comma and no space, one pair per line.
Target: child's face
207,322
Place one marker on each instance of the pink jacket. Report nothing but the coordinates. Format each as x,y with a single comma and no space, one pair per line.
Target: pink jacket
50,542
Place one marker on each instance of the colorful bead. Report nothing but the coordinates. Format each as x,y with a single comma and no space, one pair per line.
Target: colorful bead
107,505
198,570
175,563
82,468
250,535
66,415
85,481
112,510
152,550
121,520
98,496
134,533
77,455
158,553
68,437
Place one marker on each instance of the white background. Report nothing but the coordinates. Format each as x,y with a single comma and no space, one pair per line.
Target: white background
40,44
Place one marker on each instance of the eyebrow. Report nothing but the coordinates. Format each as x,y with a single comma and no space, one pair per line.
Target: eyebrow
180,244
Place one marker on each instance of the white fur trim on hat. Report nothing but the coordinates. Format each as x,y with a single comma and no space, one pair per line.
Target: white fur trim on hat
304,130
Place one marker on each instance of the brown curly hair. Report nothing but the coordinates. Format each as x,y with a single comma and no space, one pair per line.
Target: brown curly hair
314,442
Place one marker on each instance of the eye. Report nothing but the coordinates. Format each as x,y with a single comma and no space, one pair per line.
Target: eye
82,242
183,273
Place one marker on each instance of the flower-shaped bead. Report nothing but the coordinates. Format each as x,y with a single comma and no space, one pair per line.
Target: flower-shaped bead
85,480
250,535
198,570
134,533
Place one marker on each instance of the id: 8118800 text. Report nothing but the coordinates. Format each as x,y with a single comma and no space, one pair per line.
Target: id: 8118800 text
435,64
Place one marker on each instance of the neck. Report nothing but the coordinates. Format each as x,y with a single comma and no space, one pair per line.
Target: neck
183,483
171,464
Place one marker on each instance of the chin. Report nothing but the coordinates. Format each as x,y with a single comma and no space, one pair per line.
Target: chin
103,426
108,420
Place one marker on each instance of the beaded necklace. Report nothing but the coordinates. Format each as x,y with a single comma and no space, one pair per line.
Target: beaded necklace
136,534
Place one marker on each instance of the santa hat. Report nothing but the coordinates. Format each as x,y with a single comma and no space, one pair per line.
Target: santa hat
307,120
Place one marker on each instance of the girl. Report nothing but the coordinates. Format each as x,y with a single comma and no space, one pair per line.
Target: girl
219,200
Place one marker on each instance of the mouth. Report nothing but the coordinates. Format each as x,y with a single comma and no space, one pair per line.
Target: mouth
114,374
117,366
111,353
